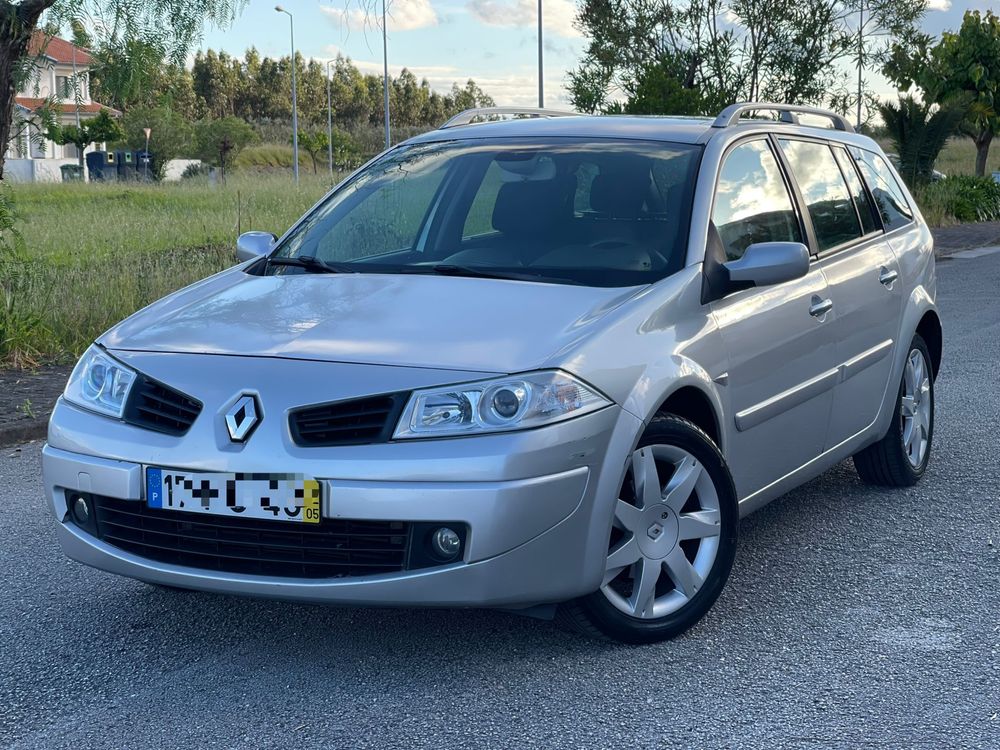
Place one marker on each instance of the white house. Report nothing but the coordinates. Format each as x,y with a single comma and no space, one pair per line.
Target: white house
61,76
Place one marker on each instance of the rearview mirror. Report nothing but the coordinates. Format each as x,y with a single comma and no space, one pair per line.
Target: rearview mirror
766,263
252,245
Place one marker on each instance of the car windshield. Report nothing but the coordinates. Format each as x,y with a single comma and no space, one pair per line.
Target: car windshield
599,213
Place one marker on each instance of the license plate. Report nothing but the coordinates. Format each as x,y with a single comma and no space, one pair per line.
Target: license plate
275,497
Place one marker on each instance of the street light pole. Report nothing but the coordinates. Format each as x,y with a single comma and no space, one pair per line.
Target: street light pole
329,118
541,89
385,72
295,103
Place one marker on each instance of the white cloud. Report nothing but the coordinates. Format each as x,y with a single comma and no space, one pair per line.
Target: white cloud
557,15
938,4
404,15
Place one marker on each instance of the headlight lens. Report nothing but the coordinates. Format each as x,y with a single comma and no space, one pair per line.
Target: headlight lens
100,383
514,403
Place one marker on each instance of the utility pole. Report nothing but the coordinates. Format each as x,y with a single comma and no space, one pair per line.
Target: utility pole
295,103
861,56
385,72
541,87
329,118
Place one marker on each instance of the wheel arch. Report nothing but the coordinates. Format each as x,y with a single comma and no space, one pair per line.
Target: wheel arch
694,404
931,332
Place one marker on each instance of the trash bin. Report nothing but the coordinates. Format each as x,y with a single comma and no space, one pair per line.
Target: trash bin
71,173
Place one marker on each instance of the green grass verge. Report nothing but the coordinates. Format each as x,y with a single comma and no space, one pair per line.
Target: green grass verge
94,254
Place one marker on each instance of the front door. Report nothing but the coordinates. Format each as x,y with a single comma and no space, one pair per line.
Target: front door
782,357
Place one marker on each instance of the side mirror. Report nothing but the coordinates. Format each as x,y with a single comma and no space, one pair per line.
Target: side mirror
766,263
252,245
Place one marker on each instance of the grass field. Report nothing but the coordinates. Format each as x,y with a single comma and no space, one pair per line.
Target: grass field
94,254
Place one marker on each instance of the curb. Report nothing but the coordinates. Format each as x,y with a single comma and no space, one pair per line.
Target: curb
23,432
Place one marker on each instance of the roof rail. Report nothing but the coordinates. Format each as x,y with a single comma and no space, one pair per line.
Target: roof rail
466,117
786,112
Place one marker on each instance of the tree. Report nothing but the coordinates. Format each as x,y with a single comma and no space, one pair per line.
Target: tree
697,54
919,130
219,141
315,143
659,89
962,64
345,150
103,128
171,135
176,23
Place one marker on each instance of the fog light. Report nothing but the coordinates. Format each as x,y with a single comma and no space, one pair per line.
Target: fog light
81,510
446,543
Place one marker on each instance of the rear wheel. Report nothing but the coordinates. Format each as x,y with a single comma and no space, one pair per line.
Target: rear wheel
672,542
900,458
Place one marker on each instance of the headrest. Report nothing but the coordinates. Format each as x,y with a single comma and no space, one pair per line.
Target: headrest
620,196
527,207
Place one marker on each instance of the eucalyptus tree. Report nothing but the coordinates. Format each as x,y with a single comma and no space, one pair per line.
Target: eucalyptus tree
688,56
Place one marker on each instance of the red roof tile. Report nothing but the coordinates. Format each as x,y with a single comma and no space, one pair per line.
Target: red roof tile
65,107
58,49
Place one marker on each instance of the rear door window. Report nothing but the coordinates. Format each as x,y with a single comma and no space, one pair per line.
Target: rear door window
829,202
888,195
857,189
752,202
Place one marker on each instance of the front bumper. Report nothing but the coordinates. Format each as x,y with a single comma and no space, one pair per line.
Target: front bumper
537,505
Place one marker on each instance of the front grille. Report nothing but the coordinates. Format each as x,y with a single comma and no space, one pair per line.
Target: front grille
156,407
354,422
330,549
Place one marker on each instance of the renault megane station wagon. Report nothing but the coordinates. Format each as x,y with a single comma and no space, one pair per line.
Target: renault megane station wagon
542,363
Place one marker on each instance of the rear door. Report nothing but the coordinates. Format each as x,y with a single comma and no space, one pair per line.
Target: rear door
862,272
782,357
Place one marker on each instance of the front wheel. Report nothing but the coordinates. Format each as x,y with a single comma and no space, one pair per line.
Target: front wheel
672,543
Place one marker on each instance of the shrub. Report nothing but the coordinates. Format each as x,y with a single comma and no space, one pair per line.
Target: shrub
961,198
198,169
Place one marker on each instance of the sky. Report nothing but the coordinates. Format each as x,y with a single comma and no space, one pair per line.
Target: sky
491,41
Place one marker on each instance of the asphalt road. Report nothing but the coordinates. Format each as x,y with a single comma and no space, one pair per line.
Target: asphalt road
854,618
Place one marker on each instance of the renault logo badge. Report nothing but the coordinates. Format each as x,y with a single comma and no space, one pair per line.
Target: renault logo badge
242,418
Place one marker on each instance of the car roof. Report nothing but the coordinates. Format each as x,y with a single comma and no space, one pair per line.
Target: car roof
693,130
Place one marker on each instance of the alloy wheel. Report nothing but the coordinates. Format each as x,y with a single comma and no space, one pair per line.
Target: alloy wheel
915,408
665,535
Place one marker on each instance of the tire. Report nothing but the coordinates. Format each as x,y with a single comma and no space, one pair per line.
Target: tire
891,462
659,595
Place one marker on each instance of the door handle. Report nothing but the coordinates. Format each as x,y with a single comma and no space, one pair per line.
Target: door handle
886,276
820,307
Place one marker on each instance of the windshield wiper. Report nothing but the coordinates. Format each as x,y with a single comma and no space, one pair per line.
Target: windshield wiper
312,264
449,269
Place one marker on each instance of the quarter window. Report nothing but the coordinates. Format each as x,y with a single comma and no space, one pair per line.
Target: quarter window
830,204
888,194
752,203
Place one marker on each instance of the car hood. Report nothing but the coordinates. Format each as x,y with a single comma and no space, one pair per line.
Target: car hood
440,322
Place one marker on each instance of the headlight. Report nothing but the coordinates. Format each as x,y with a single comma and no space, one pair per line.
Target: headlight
514,403
100,383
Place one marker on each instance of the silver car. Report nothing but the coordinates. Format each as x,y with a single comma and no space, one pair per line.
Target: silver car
541,364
